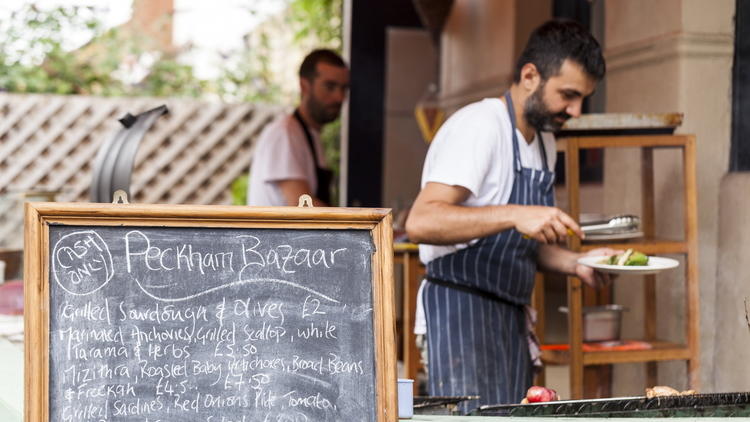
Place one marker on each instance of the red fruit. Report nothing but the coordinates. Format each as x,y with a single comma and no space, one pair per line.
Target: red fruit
537,394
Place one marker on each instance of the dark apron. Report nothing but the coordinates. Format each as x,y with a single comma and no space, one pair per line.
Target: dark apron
474,303
322,175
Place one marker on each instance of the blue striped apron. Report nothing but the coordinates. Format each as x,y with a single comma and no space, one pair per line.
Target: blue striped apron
474,303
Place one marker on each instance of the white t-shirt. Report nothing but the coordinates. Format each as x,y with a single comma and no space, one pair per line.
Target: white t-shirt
474,149
282,153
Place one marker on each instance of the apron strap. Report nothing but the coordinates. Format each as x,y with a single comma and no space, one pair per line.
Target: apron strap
468,289
516,151
308,136
324,176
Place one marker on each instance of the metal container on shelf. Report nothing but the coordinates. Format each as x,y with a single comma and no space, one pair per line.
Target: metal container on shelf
601,323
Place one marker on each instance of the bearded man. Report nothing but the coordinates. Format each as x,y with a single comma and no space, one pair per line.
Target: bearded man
485,219
289,159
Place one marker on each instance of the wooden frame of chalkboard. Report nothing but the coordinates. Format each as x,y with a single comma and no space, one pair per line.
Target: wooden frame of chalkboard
61,328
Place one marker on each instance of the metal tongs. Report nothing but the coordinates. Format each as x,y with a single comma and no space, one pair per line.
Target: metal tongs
617,223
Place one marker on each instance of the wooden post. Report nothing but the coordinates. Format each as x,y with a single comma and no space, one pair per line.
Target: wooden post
648,225
575,294
692,288
413,271
537,299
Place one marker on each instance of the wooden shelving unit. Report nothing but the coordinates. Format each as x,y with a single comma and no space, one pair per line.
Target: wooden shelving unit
661,350
406,256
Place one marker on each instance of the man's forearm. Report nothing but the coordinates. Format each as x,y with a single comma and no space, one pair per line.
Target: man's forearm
558,259
442,223
440,217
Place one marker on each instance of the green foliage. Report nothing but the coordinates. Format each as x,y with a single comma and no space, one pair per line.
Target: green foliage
168,78
36,57
239,190
318,19
248,75
40,62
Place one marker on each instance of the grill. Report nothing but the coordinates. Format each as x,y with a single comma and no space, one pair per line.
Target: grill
438,405
694,405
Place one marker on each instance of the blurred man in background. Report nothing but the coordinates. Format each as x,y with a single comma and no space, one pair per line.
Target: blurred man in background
289,160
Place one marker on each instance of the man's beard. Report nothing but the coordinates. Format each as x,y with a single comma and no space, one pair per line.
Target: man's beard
322,114
539,117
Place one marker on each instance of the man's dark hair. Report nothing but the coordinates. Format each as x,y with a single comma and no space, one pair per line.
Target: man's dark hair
557,40
309,64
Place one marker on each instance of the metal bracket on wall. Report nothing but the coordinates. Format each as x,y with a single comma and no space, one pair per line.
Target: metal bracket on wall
114,162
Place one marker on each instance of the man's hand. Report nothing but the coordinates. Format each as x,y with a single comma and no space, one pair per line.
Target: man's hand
590,276
546,224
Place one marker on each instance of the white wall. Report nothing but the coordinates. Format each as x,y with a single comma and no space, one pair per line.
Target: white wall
731,332
411,67
671,56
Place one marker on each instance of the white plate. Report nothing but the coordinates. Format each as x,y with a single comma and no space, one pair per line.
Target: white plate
655,265
598,237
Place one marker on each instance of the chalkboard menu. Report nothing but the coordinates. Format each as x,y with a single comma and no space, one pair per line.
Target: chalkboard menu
209,322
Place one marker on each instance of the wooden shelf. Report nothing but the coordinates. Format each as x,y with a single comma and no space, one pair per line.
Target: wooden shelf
660,351
647,246
631,141
406,257
578,295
